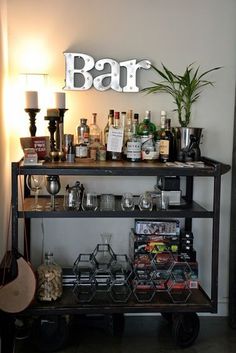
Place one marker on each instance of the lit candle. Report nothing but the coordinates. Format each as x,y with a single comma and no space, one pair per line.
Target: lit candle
60,100
31,100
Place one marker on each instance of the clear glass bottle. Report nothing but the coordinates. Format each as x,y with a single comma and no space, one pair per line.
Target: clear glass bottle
110,122
134,143
49,279
166,141
94,130
146,127
83,132
117,156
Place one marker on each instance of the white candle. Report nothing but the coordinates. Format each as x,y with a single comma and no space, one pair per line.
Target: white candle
31,100
60,100
52,112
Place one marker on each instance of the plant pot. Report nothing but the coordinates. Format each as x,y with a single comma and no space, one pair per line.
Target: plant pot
187,141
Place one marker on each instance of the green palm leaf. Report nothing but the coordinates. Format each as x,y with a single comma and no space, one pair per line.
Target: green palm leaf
185,89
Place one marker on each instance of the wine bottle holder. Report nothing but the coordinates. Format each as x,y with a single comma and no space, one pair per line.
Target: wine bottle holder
116,278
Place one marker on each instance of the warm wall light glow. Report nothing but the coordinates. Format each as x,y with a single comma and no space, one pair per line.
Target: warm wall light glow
33,56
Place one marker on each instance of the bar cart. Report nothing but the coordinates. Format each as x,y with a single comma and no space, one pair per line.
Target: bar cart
184,318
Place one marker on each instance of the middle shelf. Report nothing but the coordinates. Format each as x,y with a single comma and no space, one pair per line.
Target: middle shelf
186,210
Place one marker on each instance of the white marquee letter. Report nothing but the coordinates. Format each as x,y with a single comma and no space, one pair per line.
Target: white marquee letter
71,71
114,76
131,73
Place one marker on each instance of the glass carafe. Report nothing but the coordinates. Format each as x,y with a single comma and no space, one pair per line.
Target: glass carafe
49,279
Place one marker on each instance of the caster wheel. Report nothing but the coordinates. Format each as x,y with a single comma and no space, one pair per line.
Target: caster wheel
185,329
50,333
116,323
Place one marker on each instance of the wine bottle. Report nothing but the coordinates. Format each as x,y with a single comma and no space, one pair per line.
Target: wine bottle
166,141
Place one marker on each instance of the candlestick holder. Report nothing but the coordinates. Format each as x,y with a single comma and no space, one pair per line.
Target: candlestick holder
32,115
52,126
60,130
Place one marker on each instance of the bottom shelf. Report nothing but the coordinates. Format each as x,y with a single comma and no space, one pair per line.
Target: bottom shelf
68,304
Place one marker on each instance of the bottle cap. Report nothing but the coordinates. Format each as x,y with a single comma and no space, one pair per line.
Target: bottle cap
163,112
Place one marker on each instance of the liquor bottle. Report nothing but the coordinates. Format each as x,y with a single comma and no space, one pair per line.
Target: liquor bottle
110,122
95,132
146,127
159,131
166,141
134,143
83,131
117,156
127,131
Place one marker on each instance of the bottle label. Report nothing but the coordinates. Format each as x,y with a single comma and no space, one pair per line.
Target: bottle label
81,151
134,150
115,139
164,147
150,155
85,136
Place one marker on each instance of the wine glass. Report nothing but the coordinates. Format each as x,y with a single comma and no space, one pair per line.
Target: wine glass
53,186
34,183
127,202
145,202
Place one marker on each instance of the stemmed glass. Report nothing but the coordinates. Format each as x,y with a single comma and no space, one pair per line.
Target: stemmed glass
145,202
34,183
53,186
127,202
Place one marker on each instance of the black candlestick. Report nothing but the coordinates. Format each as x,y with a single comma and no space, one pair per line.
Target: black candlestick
32,114
52,126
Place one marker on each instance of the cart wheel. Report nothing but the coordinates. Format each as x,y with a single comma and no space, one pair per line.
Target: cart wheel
50,333
168,317
116,323
185,329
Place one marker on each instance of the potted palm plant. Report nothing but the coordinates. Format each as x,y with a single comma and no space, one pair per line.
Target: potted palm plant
185,89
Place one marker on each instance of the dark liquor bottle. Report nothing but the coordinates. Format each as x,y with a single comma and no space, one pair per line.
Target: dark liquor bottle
110,122
166,141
